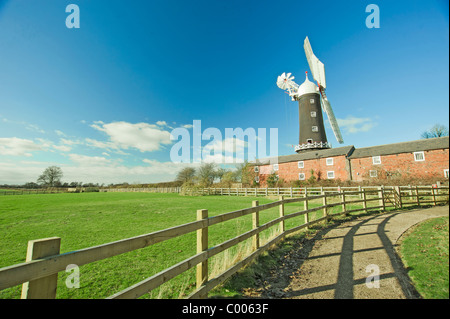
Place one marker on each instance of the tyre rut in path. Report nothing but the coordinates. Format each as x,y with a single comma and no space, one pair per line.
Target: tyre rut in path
337,261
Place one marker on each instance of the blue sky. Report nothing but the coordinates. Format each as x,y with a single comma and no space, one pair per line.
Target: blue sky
100,101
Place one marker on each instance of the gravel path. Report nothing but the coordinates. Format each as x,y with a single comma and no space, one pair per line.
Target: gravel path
338,261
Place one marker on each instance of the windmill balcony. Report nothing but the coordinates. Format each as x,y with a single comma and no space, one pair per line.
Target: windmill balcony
313,145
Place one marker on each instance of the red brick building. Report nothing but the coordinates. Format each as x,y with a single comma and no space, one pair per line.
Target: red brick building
427,158
416,159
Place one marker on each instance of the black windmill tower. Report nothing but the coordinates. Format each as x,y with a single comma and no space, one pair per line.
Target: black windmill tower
311,101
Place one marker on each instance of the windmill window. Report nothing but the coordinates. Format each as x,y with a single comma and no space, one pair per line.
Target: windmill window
329,161
315,129
330,174
376,160
301,164
311,101
277,178
257,179
256,169
313,114
419,156
309,141
275,167
373,173
301,176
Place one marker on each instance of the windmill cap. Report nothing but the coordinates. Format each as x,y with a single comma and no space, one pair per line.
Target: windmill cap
307,87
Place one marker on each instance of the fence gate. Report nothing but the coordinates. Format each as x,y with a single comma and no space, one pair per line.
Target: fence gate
397,197
393,197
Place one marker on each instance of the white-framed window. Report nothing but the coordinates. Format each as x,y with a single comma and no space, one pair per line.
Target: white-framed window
313,114
311,101
419,156
376,160
330,174
301,176
373,173
329,161
257,179
275,167
315,129
277,178
301,164
309,141
256,169
446,173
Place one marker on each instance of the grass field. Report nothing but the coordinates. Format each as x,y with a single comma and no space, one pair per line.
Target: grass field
88,219
425,251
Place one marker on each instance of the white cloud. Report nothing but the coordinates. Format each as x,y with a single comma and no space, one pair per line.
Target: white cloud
18,147
68,142
227,146
84,160
142,136
109,146
62,148
34,128
353,124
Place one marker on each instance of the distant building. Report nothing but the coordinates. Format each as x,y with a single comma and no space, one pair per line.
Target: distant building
426,158
416,159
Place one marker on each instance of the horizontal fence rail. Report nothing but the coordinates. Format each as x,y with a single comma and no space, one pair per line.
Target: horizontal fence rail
44,261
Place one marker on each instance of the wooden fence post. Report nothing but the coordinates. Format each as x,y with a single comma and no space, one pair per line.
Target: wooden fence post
381,197
42,288
305,203
417,196
325,209
344,210
364,197
202,245
255,219
281,215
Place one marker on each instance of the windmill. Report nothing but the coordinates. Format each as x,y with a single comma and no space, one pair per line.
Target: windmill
312,131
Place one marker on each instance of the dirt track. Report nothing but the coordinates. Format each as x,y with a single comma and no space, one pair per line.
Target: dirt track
337,261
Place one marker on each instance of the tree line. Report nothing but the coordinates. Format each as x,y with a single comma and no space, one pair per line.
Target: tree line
208,174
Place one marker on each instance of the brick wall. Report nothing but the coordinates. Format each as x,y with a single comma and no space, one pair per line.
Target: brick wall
290,171
392,166
402,165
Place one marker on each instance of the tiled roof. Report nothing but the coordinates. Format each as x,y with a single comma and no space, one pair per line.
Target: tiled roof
352,152
307,155
405,147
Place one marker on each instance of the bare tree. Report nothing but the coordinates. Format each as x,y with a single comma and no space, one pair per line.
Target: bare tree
186,175
245,173
51,176
206,174
436,131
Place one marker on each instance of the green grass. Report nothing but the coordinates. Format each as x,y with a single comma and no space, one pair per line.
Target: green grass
425,252
83,220
88,219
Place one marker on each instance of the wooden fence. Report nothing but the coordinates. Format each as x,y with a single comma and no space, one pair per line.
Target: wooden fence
43,262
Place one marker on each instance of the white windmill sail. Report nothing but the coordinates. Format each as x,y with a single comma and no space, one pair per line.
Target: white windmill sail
317,67
326,106
286,81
